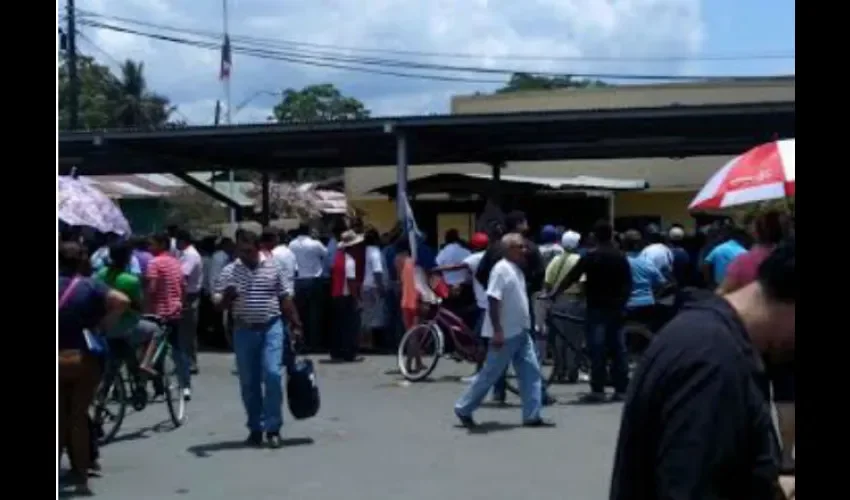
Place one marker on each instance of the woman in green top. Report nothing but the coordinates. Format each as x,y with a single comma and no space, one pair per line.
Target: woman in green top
116,276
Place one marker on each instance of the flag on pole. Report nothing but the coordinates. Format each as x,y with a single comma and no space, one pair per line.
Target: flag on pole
410,228
226,62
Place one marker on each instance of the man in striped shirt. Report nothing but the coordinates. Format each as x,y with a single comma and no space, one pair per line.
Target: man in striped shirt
165,287
258,293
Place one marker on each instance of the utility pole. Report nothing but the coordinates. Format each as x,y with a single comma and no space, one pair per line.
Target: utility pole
73,79
228,116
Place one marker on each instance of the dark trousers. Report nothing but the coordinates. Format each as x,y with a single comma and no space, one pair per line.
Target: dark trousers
79,374
604,336
346,329
395,322
309,299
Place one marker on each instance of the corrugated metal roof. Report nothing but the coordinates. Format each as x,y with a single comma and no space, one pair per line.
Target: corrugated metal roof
142,186
577,182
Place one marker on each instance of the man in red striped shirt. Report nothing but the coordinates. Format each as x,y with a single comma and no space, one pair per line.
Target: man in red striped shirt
165,289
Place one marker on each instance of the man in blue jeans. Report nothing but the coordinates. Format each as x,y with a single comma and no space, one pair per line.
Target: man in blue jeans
259,294
607,286
507,324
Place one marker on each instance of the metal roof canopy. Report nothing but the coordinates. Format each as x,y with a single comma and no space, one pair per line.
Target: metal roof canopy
465,183
674,131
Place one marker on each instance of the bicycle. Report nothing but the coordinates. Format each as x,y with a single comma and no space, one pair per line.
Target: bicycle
125,384
571,359
429,337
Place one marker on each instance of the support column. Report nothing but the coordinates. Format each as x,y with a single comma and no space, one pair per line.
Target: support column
495,195
266,216
401,176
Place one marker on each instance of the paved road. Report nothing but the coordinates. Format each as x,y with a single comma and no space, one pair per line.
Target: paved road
374,438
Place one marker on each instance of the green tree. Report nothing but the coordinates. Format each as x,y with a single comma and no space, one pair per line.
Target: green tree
136,105
107,101
529,81
323,102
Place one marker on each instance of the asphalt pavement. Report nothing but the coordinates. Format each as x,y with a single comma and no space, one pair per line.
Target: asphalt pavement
374,438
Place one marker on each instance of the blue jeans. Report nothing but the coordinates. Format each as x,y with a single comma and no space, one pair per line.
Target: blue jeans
604,336
259,352
518,350
500,387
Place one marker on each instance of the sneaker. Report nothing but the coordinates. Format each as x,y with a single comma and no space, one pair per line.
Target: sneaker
592,398
538,422
274,440
255,440
618,397
466,421
187,394
468,380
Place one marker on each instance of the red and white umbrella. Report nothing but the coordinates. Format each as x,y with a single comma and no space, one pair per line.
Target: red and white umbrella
766,172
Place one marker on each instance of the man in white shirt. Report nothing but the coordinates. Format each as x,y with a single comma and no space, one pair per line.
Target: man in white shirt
508,325
219,259
310,257
453,254
657,252
285,259
193,271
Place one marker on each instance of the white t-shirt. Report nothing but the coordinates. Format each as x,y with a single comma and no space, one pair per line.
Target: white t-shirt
472,262
310,255
350,273
660,255
507,285
374,264
286,260
193,269
452,255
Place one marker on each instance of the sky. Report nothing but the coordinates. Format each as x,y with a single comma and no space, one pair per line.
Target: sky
661,37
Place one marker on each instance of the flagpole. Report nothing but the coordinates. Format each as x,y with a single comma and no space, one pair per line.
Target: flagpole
227,116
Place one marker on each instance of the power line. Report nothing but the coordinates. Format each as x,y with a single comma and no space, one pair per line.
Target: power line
291,44
369,65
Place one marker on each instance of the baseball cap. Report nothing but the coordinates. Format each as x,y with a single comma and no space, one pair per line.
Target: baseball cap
570,240
479,241
676,233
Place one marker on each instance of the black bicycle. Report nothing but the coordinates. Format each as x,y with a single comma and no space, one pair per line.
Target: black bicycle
124,384
566,357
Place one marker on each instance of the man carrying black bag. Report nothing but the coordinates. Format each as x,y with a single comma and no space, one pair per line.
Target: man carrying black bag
259,293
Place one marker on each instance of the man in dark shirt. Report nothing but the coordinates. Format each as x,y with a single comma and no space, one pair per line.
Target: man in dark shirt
697,420
608,284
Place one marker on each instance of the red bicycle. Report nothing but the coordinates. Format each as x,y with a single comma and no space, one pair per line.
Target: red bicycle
428,339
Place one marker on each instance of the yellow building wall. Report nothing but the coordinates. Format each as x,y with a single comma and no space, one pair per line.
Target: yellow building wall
378,212
463,222
671,206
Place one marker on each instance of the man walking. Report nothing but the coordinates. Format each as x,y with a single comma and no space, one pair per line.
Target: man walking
259,294
508,326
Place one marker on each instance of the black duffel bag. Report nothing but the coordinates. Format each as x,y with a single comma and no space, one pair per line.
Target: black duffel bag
302,391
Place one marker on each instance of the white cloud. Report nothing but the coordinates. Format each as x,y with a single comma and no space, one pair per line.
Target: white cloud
491,28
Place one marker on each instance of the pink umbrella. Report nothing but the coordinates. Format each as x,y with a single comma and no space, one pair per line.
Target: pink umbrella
764,173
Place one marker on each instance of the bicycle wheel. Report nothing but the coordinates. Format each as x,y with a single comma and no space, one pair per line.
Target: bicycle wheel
173,393
110,405
427,339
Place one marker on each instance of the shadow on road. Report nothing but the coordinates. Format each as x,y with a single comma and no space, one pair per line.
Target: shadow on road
143,433
488,427
206,450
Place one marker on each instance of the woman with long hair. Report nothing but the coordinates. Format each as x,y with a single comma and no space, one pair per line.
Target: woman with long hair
85,304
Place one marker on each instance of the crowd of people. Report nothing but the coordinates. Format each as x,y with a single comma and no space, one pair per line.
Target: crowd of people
272,291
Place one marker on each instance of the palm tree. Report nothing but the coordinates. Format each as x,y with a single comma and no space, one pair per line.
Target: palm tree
137,106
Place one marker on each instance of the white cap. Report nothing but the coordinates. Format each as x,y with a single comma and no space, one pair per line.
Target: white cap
570,240
676,233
